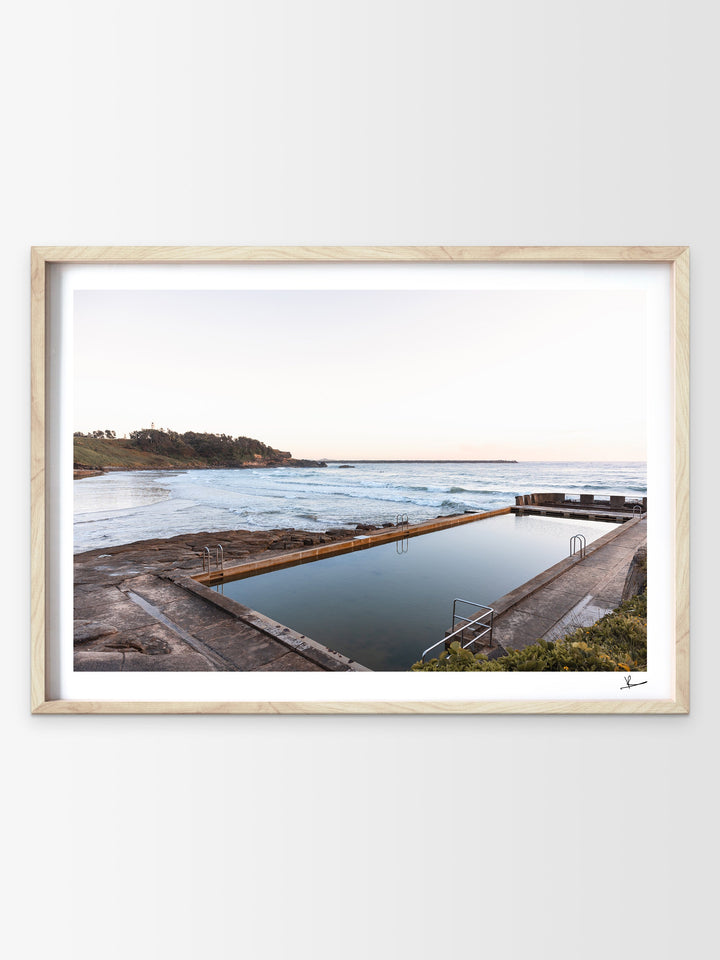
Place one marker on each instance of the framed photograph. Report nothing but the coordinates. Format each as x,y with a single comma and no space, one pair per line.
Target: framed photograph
360,480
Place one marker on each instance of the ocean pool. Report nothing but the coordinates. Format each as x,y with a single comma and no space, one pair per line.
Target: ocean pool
384,605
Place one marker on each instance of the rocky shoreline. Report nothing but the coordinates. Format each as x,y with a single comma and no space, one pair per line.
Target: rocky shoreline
81,473
185,551
112,633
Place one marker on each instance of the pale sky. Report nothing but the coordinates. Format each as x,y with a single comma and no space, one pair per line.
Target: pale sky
371,374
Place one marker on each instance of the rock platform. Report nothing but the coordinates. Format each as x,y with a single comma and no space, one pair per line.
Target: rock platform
137,608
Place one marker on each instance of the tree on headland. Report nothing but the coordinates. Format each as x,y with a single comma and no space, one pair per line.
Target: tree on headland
217,449
96,434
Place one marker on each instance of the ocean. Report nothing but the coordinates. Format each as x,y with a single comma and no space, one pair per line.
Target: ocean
122,507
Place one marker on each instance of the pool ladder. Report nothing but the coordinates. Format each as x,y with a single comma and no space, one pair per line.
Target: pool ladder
219,559
578,544
478,628
401,546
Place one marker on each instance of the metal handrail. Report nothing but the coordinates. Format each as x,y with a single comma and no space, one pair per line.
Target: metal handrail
637,507
578,542
467,624
401,520
470,603
219,559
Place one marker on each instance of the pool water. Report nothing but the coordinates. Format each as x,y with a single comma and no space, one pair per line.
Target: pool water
383,606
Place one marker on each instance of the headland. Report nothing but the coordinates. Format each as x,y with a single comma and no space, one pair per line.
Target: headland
151,449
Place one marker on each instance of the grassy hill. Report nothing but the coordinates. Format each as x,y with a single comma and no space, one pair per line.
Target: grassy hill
96,454
165,449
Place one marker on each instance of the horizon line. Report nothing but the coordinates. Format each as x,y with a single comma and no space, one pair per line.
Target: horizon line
462,460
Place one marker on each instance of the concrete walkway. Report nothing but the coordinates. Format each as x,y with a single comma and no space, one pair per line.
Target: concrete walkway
571,594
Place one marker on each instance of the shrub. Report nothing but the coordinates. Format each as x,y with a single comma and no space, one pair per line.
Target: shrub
617,642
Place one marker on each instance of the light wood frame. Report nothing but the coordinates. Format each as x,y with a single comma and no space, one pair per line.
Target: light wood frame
676,257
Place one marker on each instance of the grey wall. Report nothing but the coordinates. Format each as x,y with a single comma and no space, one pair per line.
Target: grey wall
376,122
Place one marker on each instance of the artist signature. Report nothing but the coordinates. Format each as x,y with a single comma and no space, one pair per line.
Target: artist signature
628,684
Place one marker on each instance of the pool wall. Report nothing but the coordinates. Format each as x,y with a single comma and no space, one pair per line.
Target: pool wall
316,653
511,599
202,584
252,567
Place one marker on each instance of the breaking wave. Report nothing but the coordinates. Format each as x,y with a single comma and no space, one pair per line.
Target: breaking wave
123,507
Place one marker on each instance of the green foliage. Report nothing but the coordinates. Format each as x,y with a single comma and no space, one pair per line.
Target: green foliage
211,448
617,642
164,449
96,434
453,659
621,635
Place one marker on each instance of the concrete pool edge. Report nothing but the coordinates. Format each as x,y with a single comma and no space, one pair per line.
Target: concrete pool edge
527,589
203,585
295,557
248,639
312,650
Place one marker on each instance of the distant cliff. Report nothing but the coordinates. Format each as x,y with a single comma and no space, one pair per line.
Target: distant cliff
152,449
